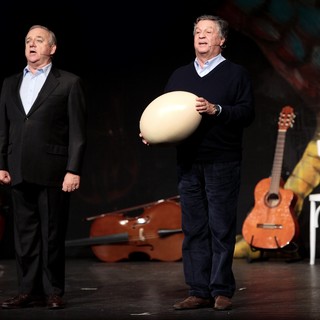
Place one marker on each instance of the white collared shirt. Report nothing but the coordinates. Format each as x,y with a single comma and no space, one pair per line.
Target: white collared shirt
32,84
209,65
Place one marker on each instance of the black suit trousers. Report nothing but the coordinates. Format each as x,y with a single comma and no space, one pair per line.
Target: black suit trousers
40,225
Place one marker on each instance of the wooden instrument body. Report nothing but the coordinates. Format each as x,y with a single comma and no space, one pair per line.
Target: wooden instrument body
272,223
156,233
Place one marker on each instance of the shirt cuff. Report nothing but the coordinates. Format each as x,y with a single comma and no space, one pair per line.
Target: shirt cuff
219,109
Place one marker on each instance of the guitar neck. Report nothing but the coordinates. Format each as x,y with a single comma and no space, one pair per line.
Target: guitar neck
277,162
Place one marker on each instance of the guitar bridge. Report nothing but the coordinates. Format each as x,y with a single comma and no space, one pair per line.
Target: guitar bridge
269,225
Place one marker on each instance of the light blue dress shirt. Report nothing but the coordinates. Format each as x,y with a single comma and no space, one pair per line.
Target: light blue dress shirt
32,84
209,65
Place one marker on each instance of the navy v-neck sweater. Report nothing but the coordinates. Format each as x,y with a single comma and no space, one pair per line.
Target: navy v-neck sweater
218,138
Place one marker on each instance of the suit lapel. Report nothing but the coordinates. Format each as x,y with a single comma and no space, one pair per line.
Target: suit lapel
49,85
16,93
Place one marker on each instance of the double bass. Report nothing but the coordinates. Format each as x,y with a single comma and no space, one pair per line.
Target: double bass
156,232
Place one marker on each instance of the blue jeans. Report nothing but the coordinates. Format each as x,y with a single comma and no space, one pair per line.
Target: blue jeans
209,198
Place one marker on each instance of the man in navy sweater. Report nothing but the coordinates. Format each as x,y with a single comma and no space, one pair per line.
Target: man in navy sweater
209,164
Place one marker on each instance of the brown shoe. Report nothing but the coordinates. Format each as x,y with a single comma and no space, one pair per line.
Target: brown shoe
22,301
222,303
55,302
192,302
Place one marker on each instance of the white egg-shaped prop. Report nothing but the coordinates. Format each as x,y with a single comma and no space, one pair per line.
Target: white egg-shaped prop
170,118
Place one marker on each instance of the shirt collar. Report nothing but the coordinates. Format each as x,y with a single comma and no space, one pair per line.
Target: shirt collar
46,69
209,63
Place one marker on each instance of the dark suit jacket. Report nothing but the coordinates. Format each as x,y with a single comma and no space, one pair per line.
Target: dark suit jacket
41,146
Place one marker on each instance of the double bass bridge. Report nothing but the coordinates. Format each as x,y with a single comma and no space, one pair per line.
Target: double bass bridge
141,235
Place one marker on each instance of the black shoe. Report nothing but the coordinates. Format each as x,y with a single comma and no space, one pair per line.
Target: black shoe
22,301
55,302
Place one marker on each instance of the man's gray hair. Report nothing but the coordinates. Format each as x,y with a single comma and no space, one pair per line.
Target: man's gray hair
52,40
223,24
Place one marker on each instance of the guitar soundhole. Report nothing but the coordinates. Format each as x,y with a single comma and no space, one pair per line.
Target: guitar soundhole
272,200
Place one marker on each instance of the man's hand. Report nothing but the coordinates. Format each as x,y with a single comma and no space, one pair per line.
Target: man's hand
5,177
71,182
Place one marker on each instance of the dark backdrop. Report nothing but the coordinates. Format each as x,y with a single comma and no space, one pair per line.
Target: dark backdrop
125,54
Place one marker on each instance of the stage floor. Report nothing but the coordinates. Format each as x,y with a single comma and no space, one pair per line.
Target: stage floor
273,289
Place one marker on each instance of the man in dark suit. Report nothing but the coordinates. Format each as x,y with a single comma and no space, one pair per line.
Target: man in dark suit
42,144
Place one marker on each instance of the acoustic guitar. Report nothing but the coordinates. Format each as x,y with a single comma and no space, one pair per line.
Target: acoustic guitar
272,224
